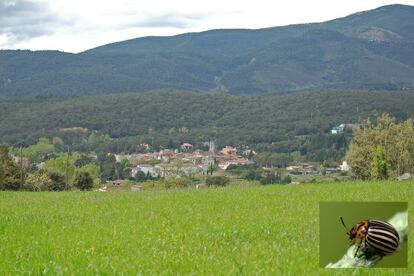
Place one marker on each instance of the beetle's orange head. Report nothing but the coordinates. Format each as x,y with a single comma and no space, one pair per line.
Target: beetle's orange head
352,232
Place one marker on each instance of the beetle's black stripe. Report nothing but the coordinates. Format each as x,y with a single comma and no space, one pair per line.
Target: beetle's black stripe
379,222
382,244
383,240
381,247
382,236
382,224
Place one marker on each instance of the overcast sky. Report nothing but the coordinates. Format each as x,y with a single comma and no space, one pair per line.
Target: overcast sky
77,25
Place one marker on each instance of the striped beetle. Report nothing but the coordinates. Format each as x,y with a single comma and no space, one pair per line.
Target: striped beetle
378,234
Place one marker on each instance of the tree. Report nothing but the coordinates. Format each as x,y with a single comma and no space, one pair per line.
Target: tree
38,181
324,166
296,157
183,130
39,151
379,165
63,165
10,173
97,138
83,161
141,176
171,144
384,144
107,165
253,174
83,181
58,182
270,178
58,143
211,168
401,150
275,178
94,171
178,163
122,169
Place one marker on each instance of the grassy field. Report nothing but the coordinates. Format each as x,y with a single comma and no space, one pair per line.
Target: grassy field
258,230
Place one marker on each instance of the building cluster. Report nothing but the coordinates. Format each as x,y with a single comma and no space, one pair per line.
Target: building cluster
185,161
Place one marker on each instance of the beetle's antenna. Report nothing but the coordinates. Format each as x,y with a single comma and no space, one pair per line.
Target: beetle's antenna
343,223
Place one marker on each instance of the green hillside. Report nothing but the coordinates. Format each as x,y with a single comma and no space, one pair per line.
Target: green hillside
367,50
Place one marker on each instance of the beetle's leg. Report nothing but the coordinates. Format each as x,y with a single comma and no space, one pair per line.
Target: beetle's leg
359,246
365,247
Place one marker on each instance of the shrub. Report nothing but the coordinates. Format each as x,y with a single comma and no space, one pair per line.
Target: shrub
83,181
58,182
253,175
275,178
168,183
286,180
38,181
220,181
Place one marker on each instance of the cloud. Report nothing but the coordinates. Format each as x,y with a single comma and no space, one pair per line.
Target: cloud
26,19
43,24
149,20
170,20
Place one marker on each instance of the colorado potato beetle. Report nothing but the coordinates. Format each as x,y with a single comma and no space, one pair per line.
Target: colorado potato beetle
378,234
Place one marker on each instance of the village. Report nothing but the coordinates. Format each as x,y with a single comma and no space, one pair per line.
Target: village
186,161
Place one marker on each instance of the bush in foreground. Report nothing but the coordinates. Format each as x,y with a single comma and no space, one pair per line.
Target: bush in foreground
38,181
219,181
83,181
168,183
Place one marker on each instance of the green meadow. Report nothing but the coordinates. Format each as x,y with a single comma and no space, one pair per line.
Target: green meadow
270,230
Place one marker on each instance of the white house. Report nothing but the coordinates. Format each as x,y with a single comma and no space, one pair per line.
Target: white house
338,129
186,147
344,167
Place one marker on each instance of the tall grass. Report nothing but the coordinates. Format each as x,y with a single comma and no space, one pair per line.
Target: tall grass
256,230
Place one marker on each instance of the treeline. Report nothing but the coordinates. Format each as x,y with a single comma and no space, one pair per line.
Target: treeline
257,173
290,124
53,171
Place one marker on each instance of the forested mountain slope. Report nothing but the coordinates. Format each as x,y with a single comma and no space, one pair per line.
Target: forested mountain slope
286,123
368,50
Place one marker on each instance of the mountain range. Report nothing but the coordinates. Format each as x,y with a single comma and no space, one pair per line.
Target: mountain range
371,50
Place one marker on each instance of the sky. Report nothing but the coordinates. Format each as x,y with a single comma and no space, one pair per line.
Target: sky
78,25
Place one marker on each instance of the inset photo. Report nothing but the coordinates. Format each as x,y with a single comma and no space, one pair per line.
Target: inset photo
363,234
